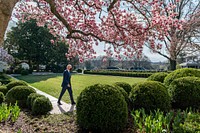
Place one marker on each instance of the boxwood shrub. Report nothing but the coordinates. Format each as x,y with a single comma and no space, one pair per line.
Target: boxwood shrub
79,70
125,86
19,94
2,97
41,106
3,89
184,72
101,108
31,99
124,93
16,83
24,72
5,79
150,95
185,92
160,76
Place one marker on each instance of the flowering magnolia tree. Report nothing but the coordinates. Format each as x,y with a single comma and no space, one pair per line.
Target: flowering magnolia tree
5,57
127,25
177,41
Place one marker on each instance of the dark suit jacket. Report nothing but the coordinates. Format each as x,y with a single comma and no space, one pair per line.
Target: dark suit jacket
66,79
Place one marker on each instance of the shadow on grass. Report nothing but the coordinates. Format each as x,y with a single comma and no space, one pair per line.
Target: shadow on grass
37,78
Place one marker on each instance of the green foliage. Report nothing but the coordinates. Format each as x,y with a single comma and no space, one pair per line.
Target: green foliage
185,92
31,98
124,93
2,97
4,79
191,123
36,46
157,121
15,112
125,86
120,73
150,95
79,70
4,112
41,106
160,76
133,86
181,73
101,108
24,72
7,112
16,83
19,94
3,89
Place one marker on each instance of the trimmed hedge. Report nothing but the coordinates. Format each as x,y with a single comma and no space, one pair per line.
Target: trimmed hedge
158,77
125,86
3,89
4,79
101,108
150,95
31,98
24,72
16,83
41,106
79,70
184,72
2,98
120,73
20,94
124,93
185,92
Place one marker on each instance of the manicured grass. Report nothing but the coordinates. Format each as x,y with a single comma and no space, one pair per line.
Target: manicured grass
51,84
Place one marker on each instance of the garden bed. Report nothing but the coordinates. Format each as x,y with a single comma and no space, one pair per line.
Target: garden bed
27,123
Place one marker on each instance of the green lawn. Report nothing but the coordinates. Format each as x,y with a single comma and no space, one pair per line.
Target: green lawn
51,84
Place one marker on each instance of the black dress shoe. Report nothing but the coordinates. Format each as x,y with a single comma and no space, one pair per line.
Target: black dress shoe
59,103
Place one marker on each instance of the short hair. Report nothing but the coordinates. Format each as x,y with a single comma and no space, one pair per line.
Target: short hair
69,65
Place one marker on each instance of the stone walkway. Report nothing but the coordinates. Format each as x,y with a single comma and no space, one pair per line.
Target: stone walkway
57,109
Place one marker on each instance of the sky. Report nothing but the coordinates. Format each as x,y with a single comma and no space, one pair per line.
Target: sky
152,56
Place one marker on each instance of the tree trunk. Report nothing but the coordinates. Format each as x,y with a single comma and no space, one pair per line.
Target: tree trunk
172,64
6,8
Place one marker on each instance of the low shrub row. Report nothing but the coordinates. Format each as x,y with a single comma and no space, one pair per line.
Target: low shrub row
96,103
4,79
120,73
19,94
25,96
36,101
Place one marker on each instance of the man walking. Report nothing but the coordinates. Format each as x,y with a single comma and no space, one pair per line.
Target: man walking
66,84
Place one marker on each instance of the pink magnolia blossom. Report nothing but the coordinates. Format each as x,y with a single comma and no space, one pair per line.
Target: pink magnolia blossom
84,24
5,57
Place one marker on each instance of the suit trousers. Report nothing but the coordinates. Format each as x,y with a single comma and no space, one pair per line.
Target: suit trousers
69,91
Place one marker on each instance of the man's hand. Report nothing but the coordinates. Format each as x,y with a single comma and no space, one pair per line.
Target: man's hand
68,85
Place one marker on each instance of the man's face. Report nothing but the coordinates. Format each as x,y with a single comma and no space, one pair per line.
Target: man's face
69,68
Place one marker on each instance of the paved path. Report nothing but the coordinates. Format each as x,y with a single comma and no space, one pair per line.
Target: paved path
57,109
